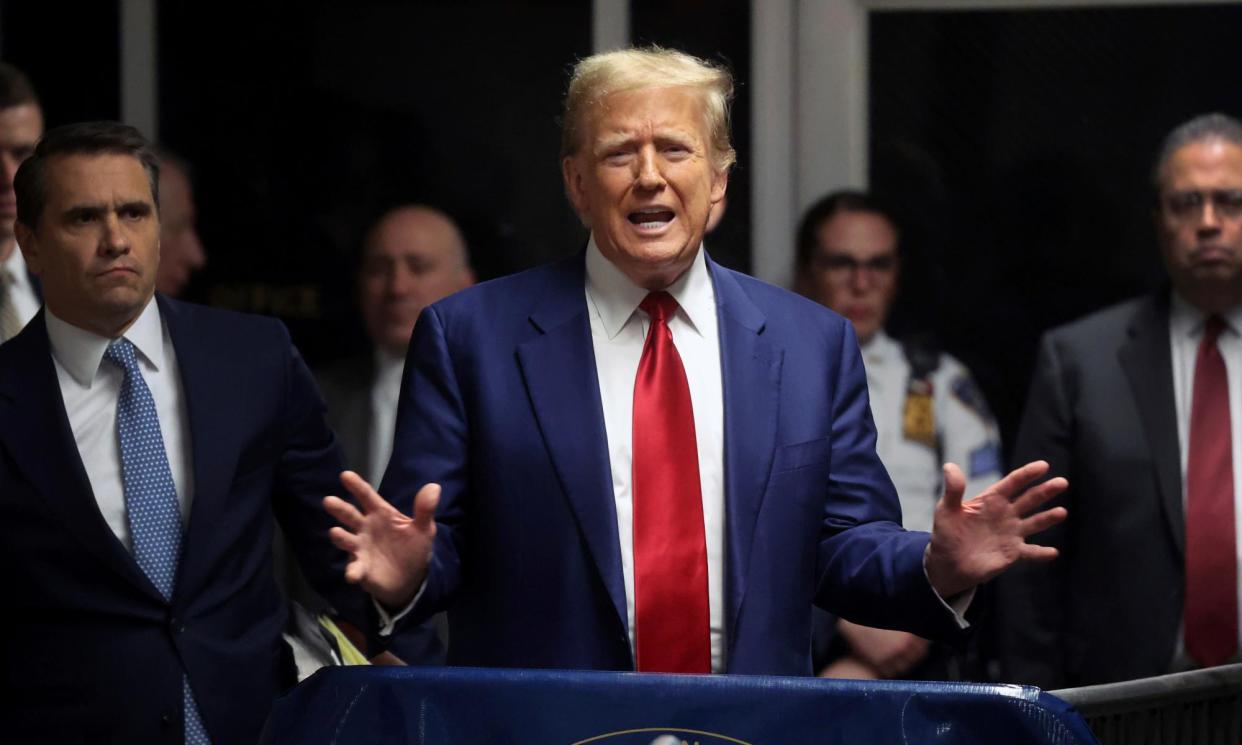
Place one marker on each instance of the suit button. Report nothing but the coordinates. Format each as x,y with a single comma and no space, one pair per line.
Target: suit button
167,720
175,625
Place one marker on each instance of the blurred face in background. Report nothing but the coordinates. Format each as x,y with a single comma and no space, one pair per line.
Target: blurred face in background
21,127
854,269
1199,221
413,257
181,251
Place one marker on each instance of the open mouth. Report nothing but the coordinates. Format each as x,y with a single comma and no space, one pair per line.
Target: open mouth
651,218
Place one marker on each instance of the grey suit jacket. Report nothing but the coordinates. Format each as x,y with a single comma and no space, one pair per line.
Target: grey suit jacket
346,386
1101,411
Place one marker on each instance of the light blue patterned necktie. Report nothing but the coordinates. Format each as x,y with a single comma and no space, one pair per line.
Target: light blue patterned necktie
150,496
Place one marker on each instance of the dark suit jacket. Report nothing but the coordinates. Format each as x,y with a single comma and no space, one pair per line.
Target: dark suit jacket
346,388
501,406
1101,412
92,652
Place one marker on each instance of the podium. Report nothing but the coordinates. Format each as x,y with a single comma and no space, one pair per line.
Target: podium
474,706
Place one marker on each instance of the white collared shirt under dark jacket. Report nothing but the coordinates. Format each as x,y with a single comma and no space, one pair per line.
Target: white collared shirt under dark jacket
93,651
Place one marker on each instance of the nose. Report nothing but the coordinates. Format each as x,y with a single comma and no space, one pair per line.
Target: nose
650,177
8,170
861,279
1209,219
113,240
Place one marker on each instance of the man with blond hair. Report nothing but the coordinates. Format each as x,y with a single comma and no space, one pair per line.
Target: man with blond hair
634,458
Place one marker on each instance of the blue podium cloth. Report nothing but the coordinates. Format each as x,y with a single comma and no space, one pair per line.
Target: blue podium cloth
435,706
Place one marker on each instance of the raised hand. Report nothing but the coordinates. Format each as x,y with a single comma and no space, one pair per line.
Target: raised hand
389,552
976,540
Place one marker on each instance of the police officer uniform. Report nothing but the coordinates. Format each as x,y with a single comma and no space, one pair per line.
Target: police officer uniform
928,411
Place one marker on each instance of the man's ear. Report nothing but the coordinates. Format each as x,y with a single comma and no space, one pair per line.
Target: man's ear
29,245
720,184
575,190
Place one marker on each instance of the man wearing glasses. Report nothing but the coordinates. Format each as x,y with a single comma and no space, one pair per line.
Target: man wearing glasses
1141,402
927,409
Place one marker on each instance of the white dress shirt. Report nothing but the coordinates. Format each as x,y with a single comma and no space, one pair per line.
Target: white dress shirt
385,392
618,331
1185,332
91,388
21,292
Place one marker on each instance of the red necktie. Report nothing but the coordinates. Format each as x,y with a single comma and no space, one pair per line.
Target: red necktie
1211,553
670,553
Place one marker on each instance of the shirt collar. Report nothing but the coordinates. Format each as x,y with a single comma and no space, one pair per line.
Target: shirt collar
616,297
388,365
1187,320
880,345
80,351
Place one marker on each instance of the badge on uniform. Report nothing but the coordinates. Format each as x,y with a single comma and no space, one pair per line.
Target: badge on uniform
918,421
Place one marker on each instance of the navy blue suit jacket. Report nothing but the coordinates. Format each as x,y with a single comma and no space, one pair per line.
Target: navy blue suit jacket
91,650
501,406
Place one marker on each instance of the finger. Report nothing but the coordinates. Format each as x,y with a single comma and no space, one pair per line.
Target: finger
1018,478
1037,495
954,486
368,498
1033,552
1041,521
356,571
344,512
344,540
425,503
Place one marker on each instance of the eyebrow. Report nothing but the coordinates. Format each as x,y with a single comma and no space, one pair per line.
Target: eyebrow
95,210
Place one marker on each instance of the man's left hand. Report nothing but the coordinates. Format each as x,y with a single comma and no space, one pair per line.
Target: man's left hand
976,540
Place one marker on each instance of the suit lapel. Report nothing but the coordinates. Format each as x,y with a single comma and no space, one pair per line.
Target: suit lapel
202,376
1147,361
35,429
558,368
750,374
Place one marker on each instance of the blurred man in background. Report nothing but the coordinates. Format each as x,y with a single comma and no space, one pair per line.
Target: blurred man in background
926,406
181,250
21,125
1142,403
412,256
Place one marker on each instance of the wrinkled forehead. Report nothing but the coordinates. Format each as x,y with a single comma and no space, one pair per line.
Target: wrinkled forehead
1212,163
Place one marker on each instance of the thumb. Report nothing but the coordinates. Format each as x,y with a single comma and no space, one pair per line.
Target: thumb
954,486
425,503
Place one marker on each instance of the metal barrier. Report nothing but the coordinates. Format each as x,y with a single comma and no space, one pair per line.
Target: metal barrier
1202,707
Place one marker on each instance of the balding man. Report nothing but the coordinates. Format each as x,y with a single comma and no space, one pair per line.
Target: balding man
412,256
21,124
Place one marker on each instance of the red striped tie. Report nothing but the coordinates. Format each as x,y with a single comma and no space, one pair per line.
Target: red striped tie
671,626
1211,551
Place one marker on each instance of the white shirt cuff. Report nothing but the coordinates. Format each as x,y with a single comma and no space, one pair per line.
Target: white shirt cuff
958,604
389,622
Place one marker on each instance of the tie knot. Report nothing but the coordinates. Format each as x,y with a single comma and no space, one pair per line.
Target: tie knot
1212,329
659,305
121,353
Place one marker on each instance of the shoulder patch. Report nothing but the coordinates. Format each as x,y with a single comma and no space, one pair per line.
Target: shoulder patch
965,391
985,459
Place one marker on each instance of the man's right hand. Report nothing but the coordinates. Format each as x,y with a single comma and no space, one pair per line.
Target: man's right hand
389,552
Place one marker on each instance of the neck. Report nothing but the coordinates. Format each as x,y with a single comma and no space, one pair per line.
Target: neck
1213,299
107,325
7,246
